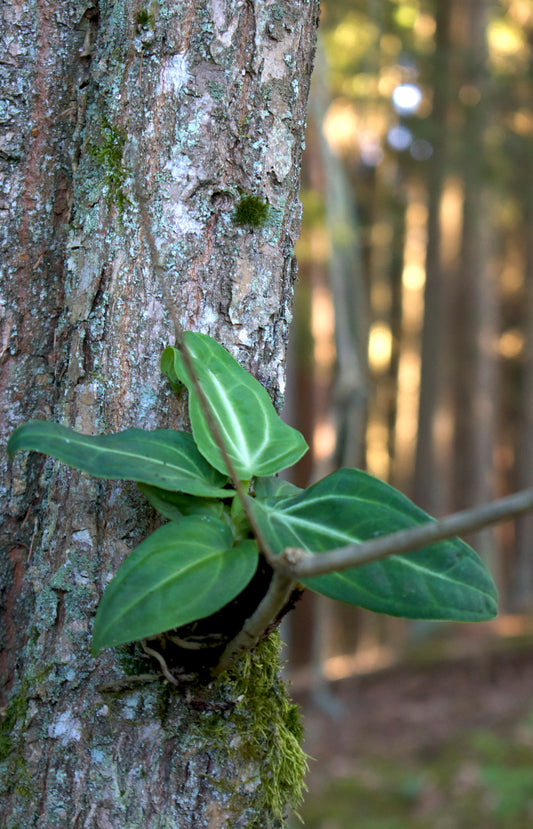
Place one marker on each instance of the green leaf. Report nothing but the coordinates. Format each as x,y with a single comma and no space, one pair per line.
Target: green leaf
175,505
184,571
257,441
239,523
446,580
274,487
167,367
163,458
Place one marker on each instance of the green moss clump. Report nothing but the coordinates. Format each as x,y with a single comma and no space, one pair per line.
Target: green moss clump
269,732
16,711
144,19
132,659
251,211
109,154
13,722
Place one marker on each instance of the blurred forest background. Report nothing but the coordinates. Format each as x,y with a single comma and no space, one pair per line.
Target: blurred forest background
412,346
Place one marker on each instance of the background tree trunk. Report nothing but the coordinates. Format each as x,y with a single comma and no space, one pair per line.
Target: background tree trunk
429,487
121,121
476,300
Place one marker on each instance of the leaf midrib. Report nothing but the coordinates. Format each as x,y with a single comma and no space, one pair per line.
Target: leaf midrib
242,447
135,455
193,472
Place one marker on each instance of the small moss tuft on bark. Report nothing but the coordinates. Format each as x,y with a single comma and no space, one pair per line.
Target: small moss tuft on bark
144,20
108,153
251,212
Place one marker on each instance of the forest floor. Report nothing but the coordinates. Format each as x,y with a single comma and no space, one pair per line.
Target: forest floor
427,744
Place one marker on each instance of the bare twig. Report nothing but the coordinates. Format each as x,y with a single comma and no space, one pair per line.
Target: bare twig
32,542
216,434
277,596
406,541
211,421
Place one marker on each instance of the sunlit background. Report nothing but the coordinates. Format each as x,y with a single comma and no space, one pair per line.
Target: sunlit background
412,345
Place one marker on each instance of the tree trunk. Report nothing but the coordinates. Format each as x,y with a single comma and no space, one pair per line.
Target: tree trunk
475,294
347,409
521,583
131,135
428,482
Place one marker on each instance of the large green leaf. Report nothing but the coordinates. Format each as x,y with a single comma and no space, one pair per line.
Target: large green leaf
257,441
163,458
184,571
446,580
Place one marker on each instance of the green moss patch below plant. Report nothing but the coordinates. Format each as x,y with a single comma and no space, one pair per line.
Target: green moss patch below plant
262,733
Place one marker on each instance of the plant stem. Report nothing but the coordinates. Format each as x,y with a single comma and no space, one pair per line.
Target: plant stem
275,599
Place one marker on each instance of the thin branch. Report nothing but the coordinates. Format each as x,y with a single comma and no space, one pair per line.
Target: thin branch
306,565
277,596
211,421
216,434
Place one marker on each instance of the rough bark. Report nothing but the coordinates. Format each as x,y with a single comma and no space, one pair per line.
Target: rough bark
183,107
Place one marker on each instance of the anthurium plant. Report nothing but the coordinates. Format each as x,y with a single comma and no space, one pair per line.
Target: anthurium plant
229,515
